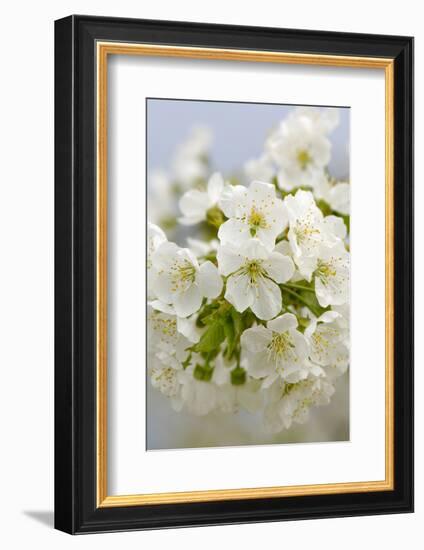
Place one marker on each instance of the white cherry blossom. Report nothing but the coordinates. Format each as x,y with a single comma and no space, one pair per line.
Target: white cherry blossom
309,231
155,237
278,350
291,403
167,350
332,275
179,280
301,148
253,212
186,326
194,204
254,274
327,336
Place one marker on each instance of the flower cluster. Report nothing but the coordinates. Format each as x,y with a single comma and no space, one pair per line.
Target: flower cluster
254,314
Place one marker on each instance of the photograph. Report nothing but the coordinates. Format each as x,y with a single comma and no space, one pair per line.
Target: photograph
248,273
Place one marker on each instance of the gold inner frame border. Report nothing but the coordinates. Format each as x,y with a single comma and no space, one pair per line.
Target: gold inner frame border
103,50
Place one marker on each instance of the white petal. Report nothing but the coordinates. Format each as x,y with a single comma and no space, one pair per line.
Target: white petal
336,226
256,339
188,302
328,317
239,292
310,329
320,150
187,254
257,364
233,231
269,380
262,193
156,237
267,237
306,266
192,220
283,247
201,248
194,203
326,295
188,328
209,280
340,198
233,200
162,287
215,187
277,217
229,259
302,346
283,323
253,249
267,302
286,180
164,256
160,306
280,268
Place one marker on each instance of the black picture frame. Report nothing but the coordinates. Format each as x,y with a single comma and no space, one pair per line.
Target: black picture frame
75,275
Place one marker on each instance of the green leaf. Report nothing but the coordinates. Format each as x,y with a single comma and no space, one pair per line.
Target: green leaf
312,302
237,321
230,335
212,338
206,314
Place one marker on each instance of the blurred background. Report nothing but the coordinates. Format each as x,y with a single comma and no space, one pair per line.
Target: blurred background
238,132
233,133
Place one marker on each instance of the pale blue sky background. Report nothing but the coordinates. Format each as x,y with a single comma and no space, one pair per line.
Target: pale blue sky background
239,131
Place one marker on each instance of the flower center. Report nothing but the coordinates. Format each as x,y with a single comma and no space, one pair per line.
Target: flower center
183,275
281,348
166,380
320,342
254,270
303,158
166,326
306,232
325,270
324,340
256,220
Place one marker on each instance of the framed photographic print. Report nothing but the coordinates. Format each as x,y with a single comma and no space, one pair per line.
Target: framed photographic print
234,274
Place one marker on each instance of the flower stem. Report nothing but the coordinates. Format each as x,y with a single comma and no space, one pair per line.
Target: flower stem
301,299
300,287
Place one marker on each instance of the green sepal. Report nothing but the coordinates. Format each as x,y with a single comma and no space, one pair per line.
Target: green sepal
238,376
